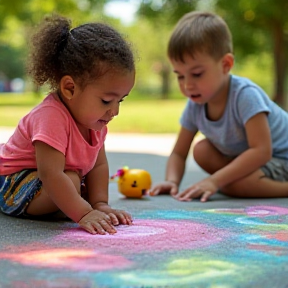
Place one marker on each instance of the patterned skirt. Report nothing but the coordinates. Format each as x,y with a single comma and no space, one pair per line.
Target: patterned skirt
17,191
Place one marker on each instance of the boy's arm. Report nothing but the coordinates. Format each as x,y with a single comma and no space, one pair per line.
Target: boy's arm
59,187
257,155
175,167
176,163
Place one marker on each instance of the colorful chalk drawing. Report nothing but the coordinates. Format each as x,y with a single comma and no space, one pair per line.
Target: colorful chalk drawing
164,248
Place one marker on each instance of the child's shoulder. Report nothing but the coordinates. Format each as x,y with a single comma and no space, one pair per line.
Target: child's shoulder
240,84
242,81
50,107
51,100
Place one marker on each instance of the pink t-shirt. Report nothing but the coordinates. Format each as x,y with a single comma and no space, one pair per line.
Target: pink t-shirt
51,123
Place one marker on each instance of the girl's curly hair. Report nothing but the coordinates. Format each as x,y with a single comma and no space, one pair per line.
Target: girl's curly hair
85,52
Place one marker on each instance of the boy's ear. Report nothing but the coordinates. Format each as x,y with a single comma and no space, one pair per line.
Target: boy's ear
67,87
227,62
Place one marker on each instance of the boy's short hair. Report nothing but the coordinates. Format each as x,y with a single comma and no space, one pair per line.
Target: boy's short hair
202,32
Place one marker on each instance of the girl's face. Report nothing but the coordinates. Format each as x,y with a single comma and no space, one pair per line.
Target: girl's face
95,106
201,78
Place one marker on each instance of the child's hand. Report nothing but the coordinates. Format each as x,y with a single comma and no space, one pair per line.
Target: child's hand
204,188
166,187
120,217
116,216
97,222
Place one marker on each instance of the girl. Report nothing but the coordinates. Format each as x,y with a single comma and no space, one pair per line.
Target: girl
59,146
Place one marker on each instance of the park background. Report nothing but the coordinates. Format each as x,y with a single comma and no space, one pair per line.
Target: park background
222,243
260,38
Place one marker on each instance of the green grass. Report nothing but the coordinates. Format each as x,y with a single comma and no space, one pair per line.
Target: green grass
14,106
148,116
138,114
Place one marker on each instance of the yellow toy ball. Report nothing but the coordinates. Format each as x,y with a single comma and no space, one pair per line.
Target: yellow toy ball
133,183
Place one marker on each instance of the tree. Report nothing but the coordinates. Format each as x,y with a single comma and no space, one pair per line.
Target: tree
33,10
11,62
17,17
163,15
263,28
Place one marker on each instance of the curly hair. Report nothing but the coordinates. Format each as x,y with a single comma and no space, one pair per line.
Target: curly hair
85,52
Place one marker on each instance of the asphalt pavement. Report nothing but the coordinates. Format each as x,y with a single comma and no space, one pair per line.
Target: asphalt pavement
53,253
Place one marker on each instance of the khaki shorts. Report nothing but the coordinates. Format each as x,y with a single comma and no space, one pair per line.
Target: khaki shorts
276,169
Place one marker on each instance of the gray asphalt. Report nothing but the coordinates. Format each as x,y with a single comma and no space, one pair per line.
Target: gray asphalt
148,152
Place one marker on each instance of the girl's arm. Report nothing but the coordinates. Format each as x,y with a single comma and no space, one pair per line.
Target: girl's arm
59,187
62,191
97,181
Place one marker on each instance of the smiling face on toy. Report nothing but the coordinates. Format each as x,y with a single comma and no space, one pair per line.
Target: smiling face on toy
134,183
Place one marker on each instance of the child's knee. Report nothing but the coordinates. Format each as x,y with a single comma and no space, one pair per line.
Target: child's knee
201,149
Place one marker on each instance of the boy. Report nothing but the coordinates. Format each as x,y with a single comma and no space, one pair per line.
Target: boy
245,149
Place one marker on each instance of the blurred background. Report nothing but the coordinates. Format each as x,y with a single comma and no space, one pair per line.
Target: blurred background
260,38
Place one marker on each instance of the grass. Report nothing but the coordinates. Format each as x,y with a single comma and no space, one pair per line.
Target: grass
14,106
148,116
138,114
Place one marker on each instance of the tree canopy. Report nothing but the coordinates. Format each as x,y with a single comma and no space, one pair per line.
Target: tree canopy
18,17
257,26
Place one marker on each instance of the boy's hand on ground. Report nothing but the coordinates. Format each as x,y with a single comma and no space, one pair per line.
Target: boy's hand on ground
116,216
97,222
203,189
166,187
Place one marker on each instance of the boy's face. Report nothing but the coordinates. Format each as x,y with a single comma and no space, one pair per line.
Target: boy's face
202,78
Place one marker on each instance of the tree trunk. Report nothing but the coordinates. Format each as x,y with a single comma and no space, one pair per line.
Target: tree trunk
165,79
279,64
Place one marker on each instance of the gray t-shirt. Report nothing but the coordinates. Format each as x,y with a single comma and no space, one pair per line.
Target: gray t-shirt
245,100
